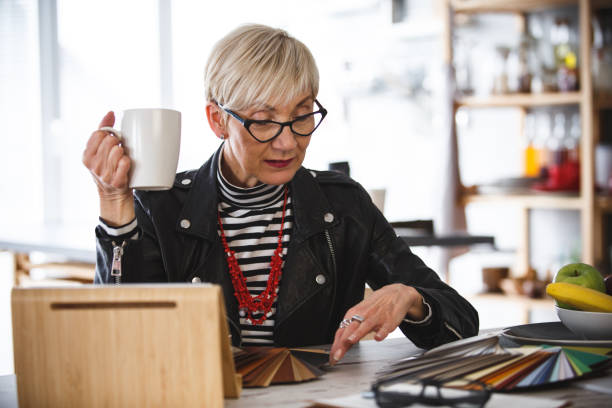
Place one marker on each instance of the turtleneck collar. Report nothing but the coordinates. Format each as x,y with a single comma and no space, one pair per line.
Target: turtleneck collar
260,196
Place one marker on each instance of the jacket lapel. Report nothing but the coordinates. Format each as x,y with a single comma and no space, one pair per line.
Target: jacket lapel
302,267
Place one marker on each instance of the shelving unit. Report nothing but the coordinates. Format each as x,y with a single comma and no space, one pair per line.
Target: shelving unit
519,100
530,200
505,6
591,208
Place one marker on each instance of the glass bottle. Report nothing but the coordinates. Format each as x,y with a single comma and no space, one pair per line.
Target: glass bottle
540,142
500,81
573,140
560,38
525,52
531,160
556,145
566,59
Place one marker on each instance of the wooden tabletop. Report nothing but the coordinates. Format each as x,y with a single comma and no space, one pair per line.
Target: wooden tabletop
354,374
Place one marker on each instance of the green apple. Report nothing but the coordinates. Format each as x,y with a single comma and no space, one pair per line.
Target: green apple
580,274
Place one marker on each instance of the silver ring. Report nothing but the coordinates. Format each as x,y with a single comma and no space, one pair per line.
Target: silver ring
360,319
344,323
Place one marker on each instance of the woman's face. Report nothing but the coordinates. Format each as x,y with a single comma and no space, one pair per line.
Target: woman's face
247,162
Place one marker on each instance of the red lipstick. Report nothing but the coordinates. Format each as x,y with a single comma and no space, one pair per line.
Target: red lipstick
279,163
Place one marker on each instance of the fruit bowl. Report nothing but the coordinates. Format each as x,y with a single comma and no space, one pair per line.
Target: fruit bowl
588,325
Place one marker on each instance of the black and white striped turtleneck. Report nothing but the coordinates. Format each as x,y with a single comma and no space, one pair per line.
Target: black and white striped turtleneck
251,220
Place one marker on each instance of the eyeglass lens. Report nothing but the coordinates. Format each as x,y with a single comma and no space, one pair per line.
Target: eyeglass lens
434,395
303,126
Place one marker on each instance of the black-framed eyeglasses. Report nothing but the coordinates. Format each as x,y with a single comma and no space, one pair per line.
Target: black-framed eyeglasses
266,130
431,392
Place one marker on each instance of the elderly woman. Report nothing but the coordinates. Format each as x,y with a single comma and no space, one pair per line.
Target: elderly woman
291,248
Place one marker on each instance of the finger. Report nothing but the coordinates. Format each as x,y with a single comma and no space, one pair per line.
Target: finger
107,120
341,341
336,345
361,329
112,161
383,332
93,143
99,163
337,352
106,145
120,178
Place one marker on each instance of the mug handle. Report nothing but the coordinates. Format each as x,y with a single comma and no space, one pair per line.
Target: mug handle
113,131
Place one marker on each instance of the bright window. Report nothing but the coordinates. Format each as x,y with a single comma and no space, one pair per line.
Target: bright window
20,144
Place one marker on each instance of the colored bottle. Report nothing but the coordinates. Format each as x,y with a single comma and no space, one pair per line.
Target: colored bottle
531,159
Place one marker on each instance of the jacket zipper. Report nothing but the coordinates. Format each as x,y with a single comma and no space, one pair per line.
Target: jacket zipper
116,263
331,249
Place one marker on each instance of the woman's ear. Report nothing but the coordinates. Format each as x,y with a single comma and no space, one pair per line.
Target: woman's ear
216,120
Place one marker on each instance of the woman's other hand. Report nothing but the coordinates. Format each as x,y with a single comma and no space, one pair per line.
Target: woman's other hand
381,312
109,164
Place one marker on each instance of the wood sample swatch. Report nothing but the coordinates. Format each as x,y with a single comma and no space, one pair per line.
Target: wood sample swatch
262,366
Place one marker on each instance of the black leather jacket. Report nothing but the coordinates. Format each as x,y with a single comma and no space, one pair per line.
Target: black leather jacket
339,242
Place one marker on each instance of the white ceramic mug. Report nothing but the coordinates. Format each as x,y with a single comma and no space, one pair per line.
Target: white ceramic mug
151,139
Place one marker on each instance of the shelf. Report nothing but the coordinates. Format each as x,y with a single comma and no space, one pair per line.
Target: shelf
505,6
520,100
535,200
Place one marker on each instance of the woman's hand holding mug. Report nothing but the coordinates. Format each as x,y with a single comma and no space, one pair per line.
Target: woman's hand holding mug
106,159
143,155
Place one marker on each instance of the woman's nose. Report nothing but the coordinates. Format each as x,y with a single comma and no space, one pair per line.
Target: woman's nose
286,140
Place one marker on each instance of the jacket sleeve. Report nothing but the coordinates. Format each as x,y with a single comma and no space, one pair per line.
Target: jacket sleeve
141,260
392,261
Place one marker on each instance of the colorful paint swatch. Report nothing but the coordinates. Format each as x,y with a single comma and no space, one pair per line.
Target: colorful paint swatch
501,369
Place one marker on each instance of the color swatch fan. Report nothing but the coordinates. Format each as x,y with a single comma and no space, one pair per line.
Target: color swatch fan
262,366
483,360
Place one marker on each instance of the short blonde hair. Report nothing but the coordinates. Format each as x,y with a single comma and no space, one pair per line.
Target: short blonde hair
257,65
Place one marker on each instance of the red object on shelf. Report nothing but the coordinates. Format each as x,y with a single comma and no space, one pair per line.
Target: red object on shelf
561,177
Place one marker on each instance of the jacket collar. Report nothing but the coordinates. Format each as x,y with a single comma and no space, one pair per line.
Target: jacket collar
200,207
310,205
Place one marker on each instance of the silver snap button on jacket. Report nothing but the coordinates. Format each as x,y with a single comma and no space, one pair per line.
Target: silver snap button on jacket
320,279
186,181
185,223
328,217
196,279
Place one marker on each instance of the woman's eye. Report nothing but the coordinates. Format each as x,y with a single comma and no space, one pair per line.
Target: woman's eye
262,126
260,116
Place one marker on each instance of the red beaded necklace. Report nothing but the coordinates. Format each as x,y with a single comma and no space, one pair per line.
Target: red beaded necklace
262,302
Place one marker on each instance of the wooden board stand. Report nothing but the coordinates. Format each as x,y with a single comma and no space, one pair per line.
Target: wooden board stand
122,346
